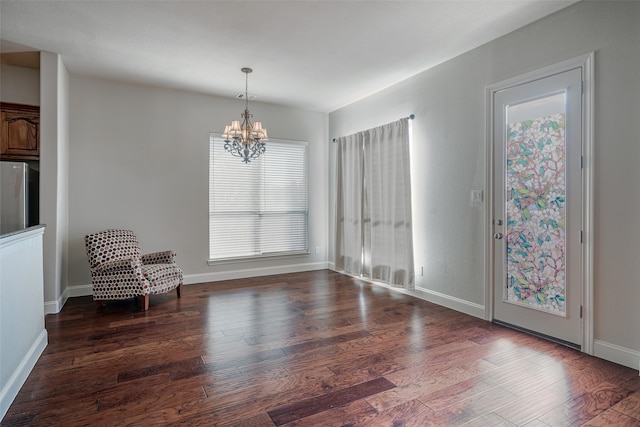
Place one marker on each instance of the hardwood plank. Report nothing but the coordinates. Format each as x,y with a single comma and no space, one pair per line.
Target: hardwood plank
534,405
232,383
408,414
414,383
611,417
510,372
59,401
312,406
444,397
346,415
473,407
533,423
287,388
324,342
260,420
631,405
163,368
493,420
535,379
587,406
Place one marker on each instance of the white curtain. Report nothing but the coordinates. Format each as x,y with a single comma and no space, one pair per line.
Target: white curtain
350,176
374,230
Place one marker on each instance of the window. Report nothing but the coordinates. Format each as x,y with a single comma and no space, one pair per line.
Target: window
261,208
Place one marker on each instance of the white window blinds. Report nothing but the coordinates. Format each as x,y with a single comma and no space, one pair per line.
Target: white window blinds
261,208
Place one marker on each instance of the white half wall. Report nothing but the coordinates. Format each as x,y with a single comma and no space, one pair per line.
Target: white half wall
22,333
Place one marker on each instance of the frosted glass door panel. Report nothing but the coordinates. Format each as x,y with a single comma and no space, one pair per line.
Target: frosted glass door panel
535,204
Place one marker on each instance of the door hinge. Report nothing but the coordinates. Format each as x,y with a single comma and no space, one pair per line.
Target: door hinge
580,236
581,312
582,87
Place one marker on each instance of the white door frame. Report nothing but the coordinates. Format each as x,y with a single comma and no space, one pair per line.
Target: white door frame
586,62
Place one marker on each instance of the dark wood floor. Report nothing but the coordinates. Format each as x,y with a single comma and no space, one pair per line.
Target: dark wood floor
309,349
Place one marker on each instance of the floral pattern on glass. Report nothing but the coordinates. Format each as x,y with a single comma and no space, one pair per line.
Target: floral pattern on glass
535,205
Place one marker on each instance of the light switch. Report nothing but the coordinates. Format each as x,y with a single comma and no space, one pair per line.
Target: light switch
476,196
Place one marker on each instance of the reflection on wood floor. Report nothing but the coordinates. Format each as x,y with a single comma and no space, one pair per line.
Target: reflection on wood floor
309,349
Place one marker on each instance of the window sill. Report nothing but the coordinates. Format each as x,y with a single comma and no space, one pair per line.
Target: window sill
238,260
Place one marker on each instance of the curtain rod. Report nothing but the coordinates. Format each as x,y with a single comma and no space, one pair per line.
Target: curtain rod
410,117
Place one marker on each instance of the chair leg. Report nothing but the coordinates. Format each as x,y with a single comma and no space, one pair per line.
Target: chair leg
179,290
144,301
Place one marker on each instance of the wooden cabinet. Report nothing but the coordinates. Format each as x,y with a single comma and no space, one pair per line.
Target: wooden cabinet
20,132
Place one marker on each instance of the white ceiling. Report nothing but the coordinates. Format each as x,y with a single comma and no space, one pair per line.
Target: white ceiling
316,55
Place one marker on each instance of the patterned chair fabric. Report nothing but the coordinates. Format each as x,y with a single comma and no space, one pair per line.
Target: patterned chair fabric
119,271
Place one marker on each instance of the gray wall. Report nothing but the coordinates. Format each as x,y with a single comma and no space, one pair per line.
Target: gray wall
139,159
19,85
449,149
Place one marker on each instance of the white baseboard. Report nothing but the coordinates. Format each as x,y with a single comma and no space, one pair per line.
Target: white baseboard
80,290
190,279
457,304
615,353
17,380
53,307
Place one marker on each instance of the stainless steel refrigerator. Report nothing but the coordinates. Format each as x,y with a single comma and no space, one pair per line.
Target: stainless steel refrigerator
19,196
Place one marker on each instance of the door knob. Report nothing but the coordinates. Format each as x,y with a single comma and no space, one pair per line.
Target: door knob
498,236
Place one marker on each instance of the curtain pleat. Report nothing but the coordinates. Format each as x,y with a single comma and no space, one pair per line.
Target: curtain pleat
374,202
349,204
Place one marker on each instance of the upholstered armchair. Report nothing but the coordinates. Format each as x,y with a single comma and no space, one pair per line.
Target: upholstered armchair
119,271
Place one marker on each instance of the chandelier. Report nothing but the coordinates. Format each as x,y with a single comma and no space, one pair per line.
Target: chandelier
246,140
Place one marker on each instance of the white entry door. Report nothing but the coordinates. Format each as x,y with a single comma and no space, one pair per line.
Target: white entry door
537,196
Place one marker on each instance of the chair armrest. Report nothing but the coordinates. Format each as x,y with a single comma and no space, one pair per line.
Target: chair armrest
116,265
164,257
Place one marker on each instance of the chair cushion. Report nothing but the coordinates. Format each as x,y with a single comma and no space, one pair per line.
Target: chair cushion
116,284
161,277
110,245
164,257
